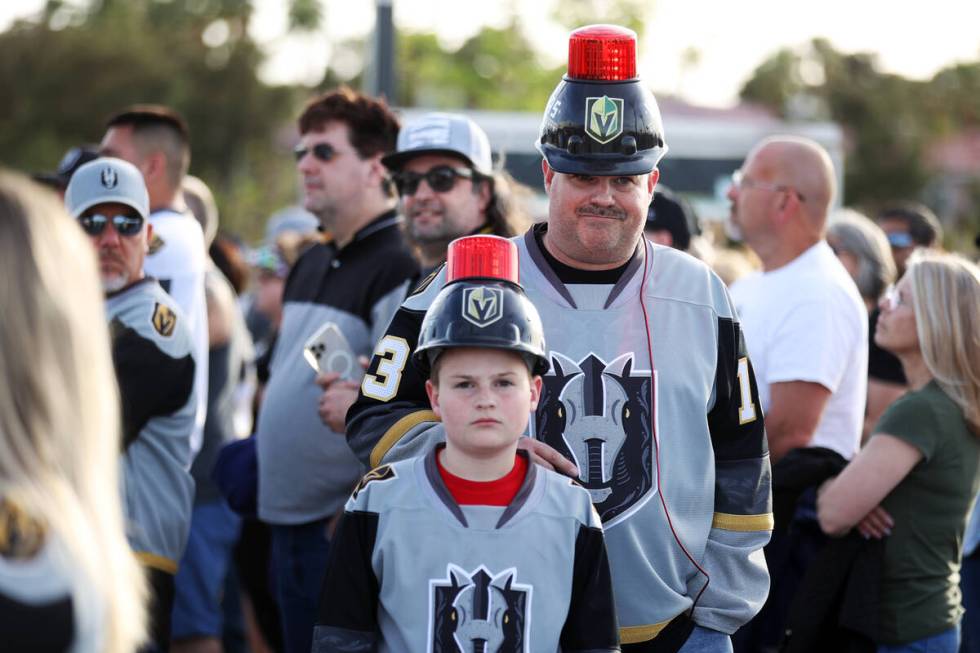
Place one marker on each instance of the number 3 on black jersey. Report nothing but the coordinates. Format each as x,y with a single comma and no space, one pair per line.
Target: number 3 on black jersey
392,353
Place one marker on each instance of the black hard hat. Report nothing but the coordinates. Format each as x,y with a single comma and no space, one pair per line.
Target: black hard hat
670,212
482,313
600,119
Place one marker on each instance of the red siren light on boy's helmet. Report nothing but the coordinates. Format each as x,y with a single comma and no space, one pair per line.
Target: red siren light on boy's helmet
605,53
601,119
481,257
482,305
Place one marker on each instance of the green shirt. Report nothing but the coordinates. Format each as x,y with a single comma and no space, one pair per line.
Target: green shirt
920,593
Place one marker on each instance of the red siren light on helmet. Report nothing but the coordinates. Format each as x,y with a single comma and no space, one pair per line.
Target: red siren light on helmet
485,257
603,53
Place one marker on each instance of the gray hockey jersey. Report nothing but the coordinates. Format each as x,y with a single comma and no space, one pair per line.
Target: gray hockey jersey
411,570
656,403
153,355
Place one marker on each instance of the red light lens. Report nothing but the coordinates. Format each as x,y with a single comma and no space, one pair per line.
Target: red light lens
603,53
481,256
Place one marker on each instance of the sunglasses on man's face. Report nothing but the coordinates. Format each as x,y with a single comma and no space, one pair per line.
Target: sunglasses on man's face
125,225
321,151
440,179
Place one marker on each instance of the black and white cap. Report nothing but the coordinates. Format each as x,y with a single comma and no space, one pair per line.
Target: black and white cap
107,180
443,133
73,159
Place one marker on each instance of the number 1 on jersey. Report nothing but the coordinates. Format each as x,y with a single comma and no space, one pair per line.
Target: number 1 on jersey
383,384
746,409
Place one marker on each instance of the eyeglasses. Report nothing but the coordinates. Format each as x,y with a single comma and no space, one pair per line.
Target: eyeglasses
441,179
899,239
740,181
125,225
321,151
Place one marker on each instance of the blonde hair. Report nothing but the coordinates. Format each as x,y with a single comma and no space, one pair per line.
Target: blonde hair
59,406
946,293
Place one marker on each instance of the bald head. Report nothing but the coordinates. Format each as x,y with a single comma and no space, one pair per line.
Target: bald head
802,164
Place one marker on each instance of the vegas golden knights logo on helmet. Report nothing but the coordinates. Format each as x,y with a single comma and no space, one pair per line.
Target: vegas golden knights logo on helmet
604,118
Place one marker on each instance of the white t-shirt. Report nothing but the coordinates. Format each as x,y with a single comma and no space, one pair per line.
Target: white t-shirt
178,260
805,321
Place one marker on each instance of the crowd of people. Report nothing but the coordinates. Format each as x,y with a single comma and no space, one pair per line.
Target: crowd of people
416,419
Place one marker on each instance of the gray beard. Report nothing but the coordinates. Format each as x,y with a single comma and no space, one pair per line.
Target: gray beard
114,284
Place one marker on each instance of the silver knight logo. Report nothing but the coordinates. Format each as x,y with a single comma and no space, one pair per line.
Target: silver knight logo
603,118
483,306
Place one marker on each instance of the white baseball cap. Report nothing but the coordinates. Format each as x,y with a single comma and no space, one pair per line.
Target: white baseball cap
443,133
107,180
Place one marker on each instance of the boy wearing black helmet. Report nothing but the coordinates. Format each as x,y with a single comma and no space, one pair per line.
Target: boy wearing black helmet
511,556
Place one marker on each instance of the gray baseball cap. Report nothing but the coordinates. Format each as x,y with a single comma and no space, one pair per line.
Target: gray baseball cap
107,180
442,133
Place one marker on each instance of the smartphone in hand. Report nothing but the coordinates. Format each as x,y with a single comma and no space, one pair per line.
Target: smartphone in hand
327,350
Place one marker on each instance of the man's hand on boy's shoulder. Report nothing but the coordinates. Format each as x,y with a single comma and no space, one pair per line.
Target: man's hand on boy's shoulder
547,456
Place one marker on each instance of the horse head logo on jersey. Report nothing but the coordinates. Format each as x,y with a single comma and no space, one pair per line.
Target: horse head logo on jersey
474,612
598,415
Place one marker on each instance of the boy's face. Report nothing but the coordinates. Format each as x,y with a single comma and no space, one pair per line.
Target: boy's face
484,398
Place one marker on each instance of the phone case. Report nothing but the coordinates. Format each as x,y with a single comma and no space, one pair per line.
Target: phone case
328,351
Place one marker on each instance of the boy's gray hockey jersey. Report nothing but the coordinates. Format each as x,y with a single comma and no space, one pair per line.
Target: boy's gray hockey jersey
712,466
411,570
152,353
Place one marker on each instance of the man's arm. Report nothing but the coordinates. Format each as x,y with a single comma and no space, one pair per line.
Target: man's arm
392,419
794,412
742,522
151,383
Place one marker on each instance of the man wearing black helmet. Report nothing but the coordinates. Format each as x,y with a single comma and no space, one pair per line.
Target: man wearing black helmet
651,392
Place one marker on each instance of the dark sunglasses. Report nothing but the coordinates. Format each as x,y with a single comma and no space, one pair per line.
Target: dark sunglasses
125,225
322,151
440,179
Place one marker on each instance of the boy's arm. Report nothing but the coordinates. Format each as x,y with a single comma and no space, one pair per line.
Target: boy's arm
591,623
347,619
742,522
391,419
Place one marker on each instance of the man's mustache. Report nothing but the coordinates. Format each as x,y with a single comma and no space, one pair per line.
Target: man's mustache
602,211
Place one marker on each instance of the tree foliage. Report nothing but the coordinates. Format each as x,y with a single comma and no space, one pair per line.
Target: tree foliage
495,69
74,68
890,121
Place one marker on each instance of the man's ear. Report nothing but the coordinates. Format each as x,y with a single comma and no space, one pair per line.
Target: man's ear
652,180
149,236
154,166
377,172
432,390
536,384
549,174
